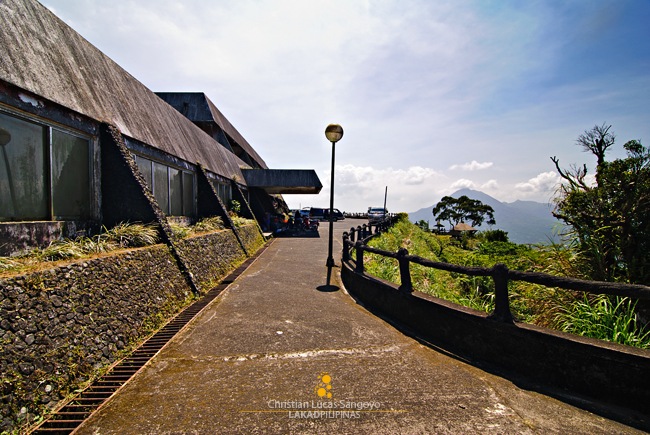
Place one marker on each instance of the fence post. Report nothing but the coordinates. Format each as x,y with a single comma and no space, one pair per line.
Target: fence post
346,247
404,271
501,301
359,265
359,233
352,234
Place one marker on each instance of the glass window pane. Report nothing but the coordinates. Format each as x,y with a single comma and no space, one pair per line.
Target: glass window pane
23,182
70,176
160,186
176,191
144,165
188,194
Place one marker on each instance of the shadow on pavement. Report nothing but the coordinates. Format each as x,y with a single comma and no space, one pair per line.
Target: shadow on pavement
297,233
327,288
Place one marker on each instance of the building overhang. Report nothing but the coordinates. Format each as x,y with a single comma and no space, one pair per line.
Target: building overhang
283,181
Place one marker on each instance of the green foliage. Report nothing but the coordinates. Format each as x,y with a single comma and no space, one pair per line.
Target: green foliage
240,221
206,225
463,209
531,303
422,224
180,231
402,217
606,317
610,220
214,223
127,235
500,248
123,235
494,236
234,206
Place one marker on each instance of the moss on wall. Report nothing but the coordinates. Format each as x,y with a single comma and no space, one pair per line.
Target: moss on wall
61,326
58,326
212,256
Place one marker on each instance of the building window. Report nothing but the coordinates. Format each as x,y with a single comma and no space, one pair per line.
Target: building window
223,189
70,176
173,188
45,173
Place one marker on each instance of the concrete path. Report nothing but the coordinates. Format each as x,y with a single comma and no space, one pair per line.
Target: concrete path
265,355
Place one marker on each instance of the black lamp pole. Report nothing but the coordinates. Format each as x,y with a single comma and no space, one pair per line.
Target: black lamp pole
333,133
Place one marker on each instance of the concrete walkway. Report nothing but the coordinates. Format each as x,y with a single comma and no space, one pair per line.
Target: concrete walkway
265,355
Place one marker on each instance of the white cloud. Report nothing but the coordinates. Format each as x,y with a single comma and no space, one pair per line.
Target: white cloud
418,86
472,166
542,183
490,185
463,183
359,187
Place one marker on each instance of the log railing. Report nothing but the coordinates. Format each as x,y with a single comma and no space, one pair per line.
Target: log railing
356,239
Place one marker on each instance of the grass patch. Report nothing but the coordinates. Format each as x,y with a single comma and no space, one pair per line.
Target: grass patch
123,235
602,317
606,317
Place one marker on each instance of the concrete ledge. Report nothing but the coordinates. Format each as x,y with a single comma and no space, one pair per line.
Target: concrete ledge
604,372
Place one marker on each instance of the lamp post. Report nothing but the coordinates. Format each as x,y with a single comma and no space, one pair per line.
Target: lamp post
333,133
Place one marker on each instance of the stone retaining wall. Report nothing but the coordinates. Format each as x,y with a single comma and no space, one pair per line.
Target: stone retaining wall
251,237
59,326
212,256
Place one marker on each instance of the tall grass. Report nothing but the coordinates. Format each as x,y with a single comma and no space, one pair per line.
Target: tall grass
603,317
128,235
205,225
123,235
606,317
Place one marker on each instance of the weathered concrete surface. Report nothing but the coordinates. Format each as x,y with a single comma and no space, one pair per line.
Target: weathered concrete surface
271,335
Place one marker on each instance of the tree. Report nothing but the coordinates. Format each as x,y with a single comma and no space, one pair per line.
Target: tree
463,209
424,225
597,141
610,220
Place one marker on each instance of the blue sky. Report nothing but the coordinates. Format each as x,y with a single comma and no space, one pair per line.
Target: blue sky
433,96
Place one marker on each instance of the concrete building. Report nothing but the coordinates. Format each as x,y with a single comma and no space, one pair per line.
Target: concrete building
83,144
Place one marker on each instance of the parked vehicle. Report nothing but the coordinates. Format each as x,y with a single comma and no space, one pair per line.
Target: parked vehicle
338,216
317,214
376,214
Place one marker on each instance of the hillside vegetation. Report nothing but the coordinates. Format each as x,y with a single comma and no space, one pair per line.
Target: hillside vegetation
609,318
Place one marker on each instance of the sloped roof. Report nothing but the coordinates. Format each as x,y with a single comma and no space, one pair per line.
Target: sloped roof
43,55
463,227
197,107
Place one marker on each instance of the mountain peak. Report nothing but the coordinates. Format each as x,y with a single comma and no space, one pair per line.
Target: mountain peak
475,194
524,221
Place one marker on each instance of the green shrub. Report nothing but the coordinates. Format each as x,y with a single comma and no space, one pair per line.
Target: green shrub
214,223
181,231
240,221
494,236
610,318
604,317
128,235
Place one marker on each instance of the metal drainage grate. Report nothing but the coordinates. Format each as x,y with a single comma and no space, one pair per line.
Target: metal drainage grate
70,416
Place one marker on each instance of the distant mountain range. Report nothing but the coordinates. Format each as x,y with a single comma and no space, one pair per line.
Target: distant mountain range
524,221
